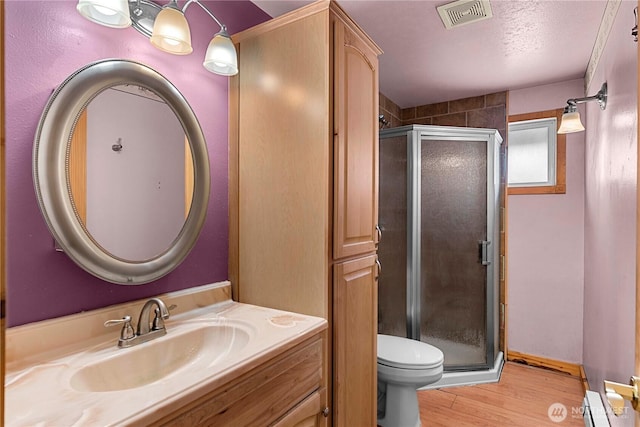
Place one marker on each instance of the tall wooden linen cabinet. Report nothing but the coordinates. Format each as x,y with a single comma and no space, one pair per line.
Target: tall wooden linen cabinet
303,184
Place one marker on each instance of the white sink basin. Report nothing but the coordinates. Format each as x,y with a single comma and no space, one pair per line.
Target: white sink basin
191,347
69,371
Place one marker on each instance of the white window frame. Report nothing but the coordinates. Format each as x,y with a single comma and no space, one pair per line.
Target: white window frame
557,184
550,125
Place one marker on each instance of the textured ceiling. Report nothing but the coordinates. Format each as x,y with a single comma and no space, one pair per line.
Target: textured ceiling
526,43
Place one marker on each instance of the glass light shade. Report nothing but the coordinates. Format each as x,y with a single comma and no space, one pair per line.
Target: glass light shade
171,32
110,13
221,56
570,123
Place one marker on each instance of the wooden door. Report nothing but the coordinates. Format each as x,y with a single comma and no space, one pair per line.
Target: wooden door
78,167
355,316
355,144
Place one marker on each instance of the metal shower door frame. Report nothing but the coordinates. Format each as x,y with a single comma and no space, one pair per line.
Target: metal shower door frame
415,135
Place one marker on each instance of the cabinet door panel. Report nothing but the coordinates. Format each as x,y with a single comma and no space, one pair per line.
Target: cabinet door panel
355,339
306,414
355,144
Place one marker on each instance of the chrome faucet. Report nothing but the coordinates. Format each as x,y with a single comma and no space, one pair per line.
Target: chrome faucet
147,329
144,323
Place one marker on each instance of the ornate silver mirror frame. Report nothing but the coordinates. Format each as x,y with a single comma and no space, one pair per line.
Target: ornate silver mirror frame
50,155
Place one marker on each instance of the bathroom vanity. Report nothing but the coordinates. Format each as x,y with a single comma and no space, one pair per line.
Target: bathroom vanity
221,363
303,237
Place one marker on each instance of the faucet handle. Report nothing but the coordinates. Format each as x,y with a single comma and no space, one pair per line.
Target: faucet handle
158,320
127,331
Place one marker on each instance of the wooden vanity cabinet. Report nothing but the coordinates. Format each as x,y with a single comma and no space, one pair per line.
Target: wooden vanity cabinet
303,188
284,392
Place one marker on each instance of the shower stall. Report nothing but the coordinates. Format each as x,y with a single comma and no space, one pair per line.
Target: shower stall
439,251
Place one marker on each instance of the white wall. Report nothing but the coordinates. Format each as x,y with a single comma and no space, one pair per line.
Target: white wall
546,247
135,197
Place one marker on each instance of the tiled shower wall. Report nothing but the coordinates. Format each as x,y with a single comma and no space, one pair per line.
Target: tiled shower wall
391,111
485,111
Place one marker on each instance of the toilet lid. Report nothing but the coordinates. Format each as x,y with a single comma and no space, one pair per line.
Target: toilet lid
407,353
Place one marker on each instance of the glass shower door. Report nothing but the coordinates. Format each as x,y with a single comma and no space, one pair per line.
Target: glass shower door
392,251
453,226
439,190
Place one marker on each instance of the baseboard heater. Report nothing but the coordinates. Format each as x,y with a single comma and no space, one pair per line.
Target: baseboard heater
593,410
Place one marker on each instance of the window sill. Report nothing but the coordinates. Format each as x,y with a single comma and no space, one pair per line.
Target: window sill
551,189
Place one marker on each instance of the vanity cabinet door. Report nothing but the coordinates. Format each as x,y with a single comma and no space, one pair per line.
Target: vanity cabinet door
355,144
307,414
355,314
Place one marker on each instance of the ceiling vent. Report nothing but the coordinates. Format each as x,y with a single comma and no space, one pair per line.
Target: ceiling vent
464,12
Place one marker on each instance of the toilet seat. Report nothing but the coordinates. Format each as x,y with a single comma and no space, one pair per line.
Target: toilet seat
404,353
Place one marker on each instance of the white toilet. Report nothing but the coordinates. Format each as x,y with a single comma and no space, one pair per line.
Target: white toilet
404,365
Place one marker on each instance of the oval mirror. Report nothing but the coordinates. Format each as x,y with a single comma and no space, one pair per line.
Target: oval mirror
121,171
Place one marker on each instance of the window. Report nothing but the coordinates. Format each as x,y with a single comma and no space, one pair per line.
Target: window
537,154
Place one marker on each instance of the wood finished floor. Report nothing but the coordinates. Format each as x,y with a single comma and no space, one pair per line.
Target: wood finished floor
521,398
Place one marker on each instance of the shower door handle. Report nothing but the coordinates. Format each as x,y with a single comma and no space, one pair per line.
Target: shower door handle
484,252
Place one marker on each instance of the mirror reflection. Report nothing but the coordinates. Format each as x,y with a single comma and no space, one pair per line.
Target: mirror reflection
133,178
130,172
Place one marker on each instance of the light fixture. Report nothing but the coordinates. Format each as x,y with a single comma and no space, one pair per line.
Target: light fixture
110,13
171,31
166,27
570,122
571,117
221,55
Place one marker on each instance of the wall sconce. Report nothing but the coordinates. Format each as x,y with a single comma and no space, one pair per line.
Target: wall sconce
571,117
166,27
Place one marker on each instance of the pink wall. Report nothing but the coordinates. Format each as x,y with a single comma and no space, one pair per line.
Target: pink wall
610,214
45,42
546,247
545,292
